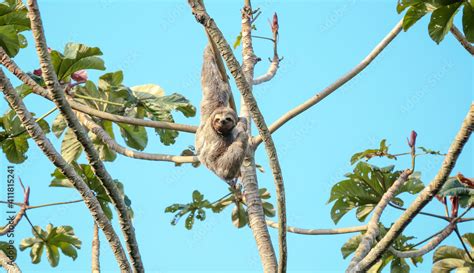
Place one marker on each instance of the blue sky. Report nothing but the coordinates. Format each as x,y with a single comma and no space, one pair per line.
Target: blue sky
413,84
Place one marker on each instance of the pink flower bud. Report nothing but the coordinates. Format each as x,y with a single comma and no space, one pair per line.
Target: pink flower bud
412,140
454,205
37,72
79,76
274,25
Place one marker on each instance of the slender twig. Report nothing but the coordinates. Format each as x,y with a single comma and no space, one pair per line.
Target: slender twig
275,62
373,226
425,196
10,226
334,86
465,43
112,144
263,38
305,231
59,98
37,89
458,234
446,218
99,100
427,239
37,134
43,205
37,120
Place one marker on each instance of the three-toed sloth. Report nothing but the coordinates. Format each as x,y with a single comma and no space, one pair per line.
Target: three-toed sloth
221,139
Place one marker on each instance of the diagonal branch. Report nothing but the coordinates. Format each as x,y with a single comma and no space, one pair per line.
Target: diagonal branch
305,231
37,89
112,144
36,133
59,99
8,264
435,241
334,86
373,226
425,196
465,43
275,62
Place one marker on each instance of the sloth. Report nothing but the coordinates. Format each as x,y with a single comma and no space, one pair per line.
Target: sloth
221,139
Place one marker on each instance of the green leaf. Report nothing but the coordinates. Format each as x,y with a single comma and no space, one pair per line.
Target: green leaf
59,125
9,250
76,57
442,21
268,209
399,266
239,216
52,239
364,188
134,136
15,149
414,14
453,187
351,245
403,4
369,153
238,40
468,22
71,148
13,20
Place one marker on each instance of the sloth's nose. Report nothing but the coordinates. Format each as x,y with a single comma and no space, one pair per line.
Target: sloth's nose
223,121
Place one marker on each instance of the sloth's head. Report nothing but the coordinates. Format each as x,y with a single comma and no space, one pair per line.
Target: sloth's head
224,120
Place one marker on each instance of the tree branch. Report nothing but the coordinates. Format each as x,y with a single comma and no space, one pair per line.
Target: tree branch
112,144
36,133
10,227
95,264
59,98
334,86
8,264
425,196
426,248
458,35
373,226
37,89
334,231
274,64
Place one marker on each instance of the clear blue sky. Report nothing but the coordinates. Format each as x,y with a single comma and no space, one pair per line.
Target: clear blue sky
414,84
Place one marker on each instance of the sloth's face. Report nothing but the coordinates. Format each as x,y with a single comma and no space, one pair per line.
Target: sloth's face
224,121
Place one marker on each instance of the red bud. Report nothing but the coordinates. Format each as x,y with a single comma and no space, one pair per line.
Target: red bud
454,205
275,25
79,76
37,72
412,140
466,181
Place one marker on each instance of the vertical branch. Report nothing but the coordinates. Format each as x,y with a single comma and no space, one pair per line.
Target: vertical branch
36,133
425,196
373,225
250,108
59,99
95,250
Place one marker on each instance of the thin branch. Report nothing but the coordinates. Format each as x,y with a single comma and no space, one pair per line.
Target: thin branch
7,263
334,231
95,264
426,248
424,213
458,234
274,64
12,223
373,226
465,43
43,205
112,144
37,89
334,86
37,134
425,196
59,98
